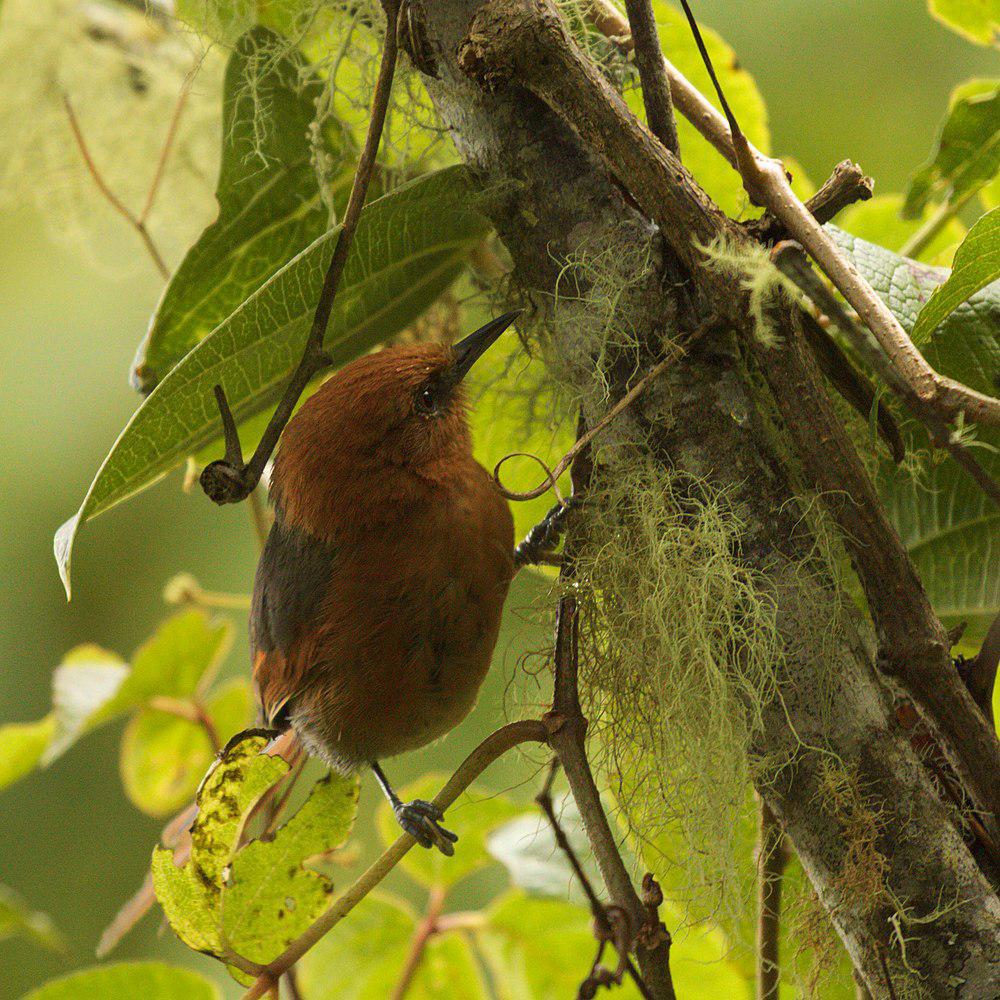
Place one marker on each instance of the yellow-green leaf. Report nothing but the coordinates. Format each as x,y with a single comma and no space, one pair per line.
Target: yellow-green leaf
977,20
270,896
17,919
21,747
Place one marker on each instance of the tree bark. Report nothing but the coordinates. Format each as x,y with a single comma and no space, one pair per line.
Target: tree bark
932,921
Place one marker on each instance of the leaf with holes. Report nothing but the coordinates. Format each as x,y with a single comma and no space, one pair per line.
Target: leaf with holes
270,896
409,246
190,894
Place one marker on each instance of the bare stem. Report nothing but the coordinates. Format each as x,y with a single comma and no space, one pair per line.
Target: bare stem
426,929
652,74
136,222
772,857
493,747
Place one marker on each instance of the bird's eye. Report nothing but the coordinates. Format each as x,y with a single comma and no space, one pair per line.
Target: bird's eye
426,402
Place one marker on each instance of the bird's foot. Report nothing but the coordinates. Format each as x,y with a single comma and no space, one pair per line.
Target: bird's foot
421,820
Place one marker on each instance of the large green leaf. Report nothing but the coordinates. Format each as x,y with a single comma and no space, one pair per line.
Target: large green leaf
977,264
977,20
949,526
269,201
409,247
968,151
712,171
270,897
148,980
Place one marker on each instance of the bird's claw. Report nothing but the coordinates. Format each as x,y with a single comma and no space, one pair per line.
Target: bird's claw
421,820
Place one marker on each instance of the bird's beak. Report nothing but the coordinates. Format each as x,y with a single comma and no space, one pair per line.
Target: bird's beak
471,348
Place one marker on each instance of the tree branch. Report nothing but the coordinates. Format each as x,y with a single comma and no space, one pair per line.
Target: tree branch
652,74
765,179
494,746
230,480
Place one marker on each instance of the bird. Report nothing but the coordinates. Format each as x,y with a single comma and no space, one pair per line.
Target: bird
379,590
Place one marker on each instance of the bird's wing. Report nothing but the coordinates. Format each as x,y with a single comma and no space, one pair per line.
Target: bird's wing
293,578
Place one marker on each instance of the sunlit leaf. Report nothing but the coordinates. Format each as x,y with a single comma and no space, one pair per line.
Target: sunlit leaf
269,201
977,20
472,817
968,149
409,247
269,897
190,894
17,919
526,847
977,264
164,757
84,688
21,747
145,980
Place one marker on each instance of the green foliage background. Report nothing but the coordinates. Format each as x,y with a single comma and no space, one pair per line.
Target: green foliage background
71,842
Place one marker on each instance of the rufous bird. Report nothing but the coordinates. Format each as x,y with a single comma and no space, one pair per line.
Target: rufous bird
378,594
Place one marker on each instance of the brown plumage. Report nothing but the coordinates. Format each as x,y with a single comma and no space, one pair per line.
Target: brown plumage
378,596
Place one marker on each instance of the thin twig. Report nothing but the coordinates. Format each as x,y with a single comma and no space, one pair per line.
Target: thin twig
136,222
564,463
652,73
765,178
772,857
493,747
603,923
191,711
230,480
168,145
425,930
792,262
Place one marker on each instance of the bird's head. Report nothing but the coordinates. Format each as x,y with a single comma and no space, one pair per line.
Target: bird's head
402,407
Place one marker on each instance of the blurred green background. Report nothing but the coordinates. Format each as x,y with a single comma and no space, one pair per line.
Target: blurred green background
868,79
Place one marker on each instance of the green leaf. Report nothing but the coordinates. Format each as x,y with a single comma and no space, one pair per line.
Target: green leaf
269,897
372,943
164,758
472,817
977,264
181,658
977,20
21,747
190,894
946,522
269,201
84,686
409,246
968,151
17,919
148,980
363,958
878,220
711,170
